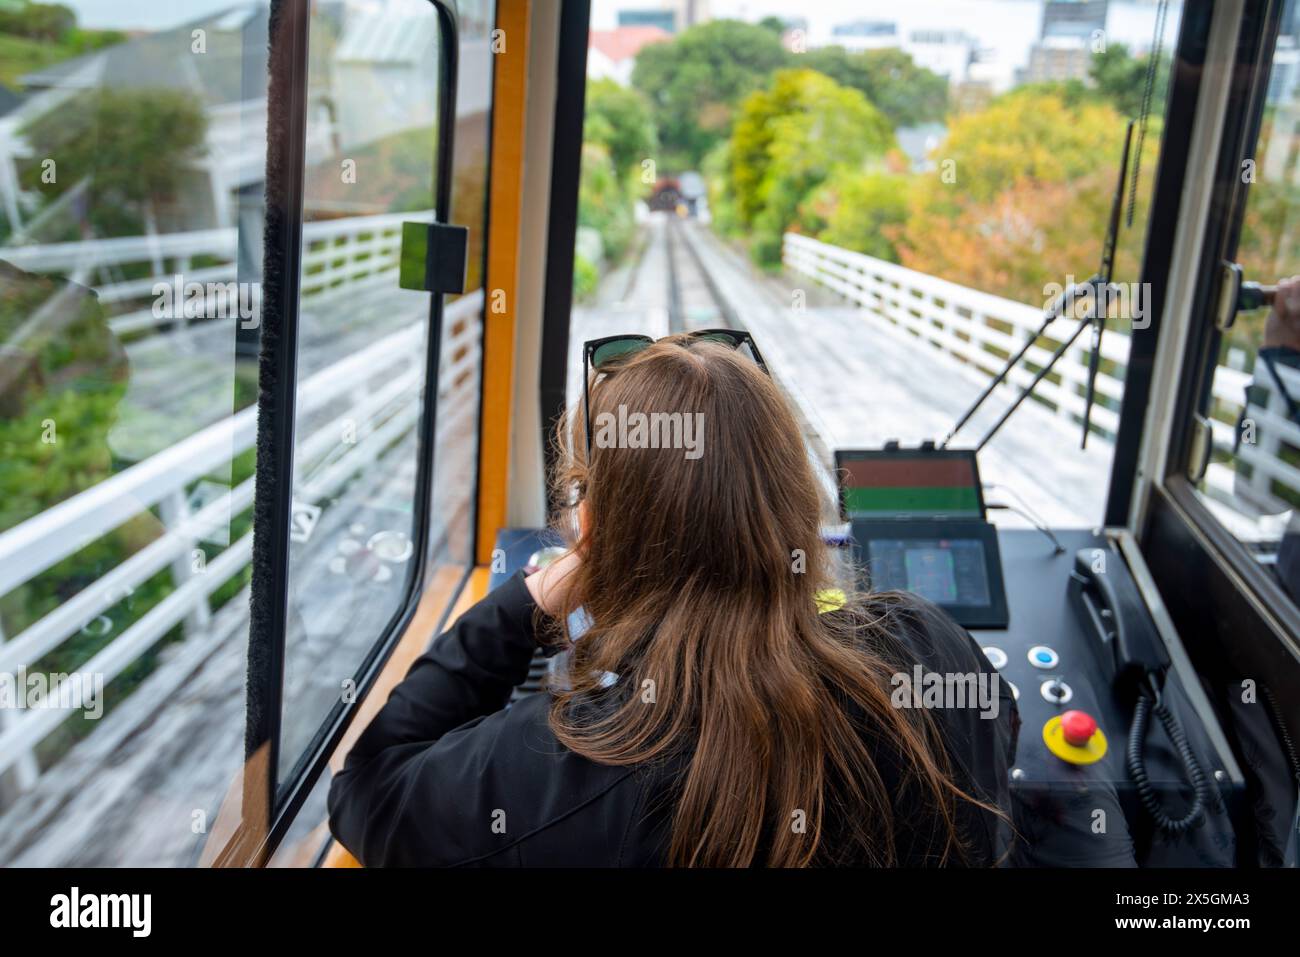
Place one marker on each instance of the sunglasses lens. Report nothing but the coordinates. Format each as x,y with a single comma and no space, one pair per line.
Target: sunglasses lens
740,343
721,337
616,350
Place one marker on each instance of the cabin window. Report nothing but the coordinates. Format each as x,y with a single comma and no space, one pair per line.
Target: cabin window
889,216
132,167
1250,481
133,146
370,165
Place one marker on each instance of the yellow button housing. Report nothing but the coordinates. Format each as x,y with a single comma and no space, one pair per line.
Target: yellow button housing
1090,753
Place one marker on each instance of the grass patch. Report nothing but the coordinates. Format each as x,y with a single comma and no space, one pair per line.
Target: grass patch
19,55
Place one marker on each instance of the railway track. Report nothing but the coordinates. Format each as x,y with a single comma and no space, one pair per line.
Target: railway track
696,301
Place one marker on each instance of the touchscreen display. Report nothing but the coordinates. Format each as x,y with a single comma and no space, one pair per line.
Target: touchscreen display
947,571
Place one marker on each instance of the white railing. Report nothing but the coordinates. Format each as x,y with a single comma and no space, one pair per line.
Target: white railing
380,385
334,252
981,330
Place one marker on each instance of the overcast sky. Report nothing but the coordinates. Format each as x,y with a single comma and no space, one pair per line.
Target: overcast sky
1006,26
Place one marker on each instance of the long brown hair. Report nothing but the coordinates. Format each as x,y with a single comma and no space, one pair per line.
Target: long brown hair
700,578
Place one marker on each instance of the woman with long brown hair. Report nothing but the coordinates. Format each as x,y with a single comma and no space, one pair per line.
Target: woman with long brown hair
728,701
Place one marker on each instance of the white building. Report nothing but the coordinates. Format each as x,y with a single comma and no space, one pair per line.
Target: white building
384,68
948,53
671,16
866,35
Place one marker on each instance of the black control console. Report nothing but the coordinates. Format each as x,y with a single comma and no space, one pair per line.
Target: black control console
1080,653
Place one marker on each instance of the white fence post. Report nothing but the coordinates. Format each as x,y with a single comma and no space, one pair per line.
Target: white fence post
24,767
1268,440
175,511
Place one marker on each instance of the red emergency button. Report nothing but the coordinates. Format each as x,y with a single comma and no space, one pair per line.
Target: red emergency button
1074,737
1078,727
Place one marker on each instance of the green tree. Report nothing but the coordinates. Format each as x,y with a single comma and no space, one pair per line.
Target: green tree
906,93
788,140
695,82
1072,92
1021,196
1121,78
603,201
52,22
618,136
1022,134
859,211
34,36
722,199
586,277
619,119
129,146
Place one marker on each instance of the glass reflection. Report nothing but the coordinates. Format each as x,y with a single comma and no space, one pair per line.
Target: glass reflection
131,173
372,152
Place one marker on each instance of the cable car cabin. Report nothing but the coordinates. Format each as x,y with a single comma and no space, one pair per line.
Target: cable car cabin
279,389
666,197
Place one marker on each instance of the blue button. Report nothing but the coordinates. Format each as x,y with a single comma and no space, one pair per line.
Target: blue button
1041,656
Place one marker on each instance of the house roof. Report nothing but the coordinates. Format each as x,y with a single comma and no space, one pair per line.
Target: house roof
627,42
164,60
389,39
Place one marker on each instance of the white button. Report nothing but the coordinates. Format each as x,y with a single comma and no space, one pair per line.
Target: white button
1056,691
1040,656
1015,692
996,656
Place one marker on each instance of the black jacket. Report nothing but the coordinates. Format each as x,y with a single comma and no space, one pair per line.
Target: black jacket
445,777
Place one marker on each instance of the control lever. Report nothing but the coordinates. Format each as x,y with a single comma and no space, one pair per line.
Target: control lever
1238,295
1255,296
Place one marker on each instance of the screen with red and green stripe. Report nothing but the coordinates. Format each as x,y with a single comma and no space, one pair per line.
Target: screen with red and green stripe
881,484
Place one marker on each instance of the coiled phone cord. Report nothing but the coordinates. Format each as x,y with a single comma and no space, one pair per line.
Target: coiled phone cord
1138,771
1283,732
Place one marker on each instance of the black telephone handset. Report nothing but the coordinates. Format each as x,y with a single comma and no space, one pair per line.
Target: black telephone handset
1110,602
1112,608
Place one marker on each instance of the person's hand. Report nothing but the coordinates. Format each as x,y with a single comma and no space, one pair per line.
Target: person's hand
1283,325
550,586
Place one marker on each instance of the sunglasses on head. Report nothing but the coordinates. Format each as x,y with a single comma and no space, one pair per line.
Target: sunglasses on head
602,354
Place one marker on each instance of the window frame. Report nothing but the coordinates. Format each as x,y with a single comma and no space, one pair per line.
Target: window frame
1242,124
269,804
1170,174
1233,616
562,227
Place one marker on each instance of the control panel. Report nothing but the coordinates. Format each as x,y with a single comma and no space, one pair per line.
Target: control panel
1077,653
